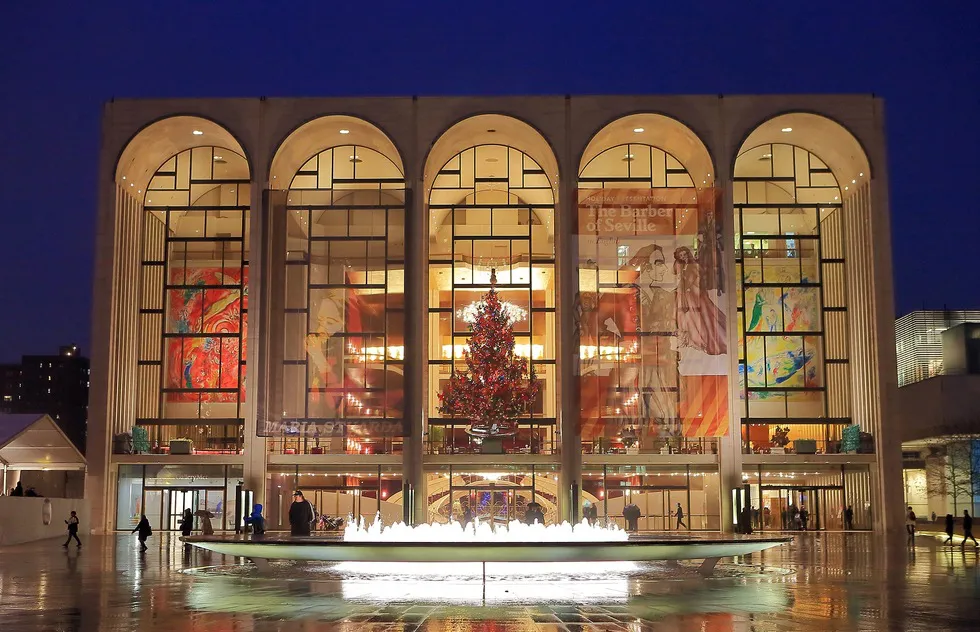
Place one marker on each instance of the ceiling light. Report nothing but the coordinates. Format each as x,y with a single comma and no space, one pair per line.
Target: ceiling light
845,188
131,184
787,129
628,157
638,130
124,177
853,181
218,158
197,132
345,131
354,159
861,175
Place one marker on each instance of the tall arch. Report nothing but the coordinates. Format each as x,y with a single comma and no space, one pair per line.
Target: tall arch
651,324
490,186
807,318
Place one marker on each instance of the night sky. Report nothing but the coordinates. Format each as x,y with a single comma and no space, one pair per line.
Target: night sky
60,61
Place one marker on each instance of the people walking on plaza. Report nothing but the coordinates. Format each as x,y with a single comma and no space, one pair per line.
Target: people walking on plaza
949,529
187,523
205,516
143,531
72,523
300,515
968,529
910,523
680,517
849,518
632,514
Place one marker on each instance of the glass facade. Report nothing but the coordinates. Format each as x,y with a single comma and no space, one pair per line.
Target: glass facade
344,346
163,492
779,493
193,310
628,290
793,341
651,314
491,211
336,493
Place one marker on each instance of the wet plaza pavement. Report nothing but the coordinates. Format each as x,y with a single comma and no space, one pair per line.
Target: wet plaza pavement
819,582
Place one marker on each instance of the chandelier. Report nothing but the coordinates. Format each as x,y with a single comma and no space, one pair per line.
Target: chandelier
512,313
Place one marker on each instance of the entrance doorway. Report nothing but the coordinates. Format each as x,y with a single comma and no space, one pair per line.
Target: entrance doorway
495,504
782,502
164,506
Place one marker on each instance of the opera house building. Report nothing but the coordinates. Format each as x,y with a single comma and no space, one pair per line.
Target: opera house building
701,286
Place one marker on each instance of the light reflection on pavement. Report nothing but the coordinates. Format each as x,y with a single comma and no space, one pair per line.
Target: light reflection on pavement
819,582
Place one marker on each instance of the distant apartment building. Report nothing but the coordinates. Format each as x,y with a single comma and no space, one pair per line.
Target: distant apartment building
53,384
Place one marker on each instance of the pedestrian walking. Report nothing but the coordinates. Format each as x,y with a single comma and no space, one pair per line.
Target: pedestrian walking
186,523
72,523
632,515
949,529
968,529
849,518
910,523
143,531
680,517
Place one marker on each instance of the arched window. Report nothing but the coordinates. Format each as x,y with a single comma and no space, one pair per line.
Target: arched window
791,293
193,310
344,346
491,211
651,322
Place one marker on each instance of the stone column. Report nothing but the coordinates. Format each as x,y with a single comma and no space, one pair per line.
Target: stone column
416,236
730,446
569,402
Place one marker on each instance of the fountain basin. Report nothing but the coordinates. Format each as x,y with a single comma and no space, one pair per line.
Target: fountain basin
637,549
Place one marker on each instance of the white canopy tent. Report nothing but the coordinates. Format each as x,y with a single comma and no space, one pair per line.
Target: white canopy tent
35,442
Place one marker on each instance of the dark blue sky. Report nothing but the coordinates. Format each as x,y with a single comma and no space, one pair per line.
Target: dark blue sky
60,61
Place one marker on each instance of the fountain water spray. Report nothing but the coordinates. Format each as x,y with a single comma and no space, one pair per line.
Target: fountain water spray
515,531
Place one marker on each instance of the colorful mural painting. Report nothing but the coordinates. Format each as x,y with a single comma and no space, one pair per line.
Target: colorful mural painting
651,322
209,315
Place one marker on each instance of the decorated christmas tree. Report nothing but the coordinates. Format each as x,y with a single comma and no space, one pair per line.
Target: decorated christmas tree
496,388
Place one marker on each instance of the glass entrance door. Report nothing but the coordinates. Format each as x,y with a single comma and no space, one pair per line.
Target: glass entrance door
491,505
824,507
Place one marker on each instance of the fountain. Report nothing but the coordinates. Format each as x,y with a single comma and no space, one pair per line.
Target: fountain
479,542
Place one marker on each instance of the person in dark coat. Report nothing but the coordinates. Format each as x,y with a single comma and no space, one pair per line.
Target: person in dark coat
534,514
19,490
949,529
848,518
143,531
300,515
632,514
590,513
467,516
72,523
968,529
680,517
187,523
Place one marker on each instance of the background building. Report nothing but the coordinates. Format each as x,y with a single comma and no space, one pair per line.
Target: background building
703,284
939,370
56,385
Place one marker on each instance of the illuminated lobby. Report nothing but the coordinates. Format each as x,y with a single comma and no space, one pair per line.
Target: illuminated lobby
701,287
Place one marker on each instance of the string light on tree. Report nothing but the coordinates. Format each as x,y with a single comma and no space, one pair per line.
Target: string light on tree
497,387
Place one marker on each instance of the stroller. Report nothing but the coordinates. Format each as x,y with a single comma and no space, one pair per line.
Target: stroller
328,523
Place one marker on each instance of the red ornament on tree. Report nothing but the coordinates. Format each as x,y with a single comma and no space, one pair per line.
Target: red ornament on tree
497,388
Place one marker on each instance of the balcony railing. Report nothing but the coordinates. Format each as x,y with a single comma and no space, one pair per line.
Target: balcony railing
159,438
455,440
804,446
665,446
301,444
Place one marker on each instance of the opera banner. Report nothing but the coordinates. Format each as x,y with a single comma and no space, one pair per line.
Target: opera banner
209,316
651,315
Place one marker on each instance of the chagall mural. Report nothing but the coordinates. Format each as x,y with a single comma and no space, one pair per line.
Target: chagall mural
211,319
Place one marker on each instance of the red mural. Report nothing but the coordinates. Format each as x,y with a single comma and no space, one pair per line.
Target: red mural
209,314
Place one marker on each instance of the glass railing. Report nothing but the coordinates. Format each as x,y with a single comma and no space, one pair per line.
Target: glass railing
665,446
302,444
528,440
183,439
